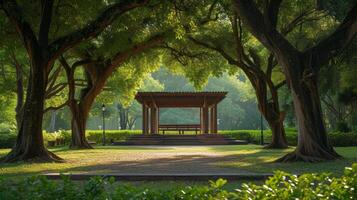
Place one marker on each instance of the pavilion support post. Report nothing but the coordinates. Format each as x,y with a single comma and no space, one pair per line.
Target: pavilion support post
213,119
154,120
204,120
201,123
145,127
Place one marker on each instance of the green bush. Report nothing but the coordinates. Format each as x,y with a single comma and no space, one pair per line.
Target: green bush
343,127
6,128
253,136
341,139
116,135
307,186
279,187
7,140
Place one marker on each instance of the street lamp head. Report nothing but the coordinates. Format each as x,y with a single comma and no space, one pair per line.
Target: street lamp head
103,107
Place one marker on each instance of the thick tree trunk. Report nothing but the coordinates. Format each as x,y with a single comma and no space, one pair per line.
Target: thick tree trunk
131,123
313,144
123,117
19,95
78,126
52,127
278,140
29,144
276,126
80,111
270,110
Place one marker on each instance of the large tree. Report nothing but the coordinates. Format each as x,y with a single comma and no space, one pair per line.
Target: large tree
43,48
97,71
301,71
221,31
219,36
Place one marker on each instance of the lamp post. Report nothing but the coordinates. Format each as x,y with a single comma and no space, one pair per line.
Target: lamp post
103,112
261,130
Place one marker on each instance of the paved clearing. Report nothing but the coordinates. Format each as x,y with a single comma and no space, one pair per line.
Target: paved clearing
158,160
178,162
165,160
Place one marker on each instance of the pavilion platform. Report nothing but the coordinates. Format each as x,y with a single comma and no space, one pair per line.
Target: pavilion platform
199,139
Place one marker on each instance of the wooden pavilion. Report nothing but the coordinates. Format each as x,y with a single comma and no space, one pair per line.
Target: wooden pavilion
206,101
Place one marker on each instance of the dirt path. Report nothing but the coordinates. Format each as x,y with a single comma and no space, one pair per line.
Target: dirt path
193,162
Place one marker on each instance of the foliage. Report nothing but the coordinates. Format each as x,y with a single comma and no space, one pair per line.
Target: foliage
339,139
281,186
307,186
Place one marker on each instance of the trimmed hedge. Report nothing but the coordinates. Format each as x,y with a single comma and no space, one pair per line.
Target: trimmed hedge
252,136
281,186
116,135
7,140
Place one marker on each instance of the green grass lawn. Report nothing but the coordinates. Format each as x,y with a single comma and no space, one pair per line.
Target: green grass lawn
248,158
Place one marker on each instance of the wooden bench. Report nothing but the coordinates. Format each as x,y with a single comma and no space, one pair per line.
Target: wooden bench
181,128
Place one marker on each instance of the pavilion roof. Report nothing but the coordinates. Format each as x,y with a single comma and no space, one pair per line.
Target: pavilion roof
180,99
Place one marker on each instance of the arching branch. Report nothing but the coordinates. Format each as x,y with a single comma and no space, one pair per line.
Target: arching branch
95,27
336,42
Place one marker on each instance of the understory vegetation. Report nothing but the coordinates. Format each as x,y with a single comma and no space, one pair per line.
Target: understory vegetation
280,186
63,137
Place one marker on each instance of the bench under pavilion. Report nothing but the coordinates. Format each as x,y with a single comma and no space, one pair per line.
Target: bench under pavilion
206,102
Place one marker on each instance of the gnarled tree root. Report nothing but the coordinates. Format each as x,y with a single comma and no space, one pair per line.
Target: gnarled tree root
43,156
295,156
83,145
276,146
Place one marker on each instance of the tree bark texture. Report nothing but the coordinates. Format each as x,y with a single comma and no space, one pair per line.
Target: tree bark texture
29,143
313,144
19,91
269,108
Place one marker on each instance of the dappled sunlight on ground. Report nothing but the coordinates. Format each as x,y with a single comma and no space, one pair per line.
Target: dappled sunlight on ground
232,159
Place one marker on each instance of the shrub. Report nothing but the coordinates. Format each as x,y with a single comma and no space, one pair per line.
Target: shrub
342,127
7,140
116,135
253,136
281,186
6,128
341,139
307,186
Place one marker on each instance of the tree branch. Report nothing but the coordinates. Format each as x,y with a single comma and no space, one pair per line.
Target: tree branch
52,79
299,20
271,11
120,57
265,33
23,28
93,29
180,54
55,90
46,18
279,85
336,42
224,54
56,107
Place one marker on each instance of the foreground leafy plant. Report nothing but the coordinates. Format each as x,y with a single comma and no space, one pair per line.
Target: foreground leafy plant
281,186
307,186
